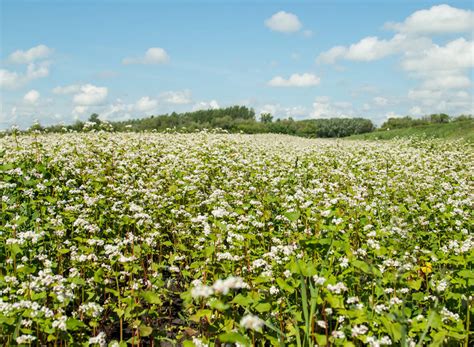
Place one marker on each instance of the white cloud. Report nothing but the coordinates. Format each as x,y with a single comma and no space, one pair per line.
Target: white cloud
324,108
11,79
436,20
442,69
427,96
446,101
380,101
284,22
79,110
31,97
146,104
90,95
280,111
446,82
392,114
415,111
455,55
70,89
31,55
295,80
330,56
154,55
372,48
307,33
204,105
177,97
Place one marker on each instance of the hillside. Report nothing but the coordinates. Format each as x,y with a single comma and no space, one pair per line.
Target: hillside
451,131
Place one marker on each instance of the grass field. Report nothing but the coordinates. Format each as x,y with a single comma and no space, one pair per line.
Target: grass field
234,240
452,131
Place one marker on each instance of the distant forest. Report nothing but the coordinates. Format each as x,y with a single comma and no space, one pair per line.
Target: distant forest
236,119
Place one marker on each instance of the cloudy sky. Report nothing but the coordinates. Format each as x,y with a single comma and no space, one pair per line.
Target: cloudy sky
63,60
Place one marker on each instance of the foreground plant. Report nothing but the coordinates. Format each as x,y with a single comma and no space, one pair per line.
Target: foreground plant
201,239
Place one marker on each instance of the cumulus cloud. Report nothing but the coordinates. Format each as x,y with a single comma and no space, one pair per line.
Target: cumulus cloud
11,79
280,111
31,97
79,110
330,56
455,55
447,82
442,69
372,48
323,107
436,20
284,22
177,97
30,55
154,55
90,95
206,105
146,104
70,89
380,101
446,101
423,23
295,80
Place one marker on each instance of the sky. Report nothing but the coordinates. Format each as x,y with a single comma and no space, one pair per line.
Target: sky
61,61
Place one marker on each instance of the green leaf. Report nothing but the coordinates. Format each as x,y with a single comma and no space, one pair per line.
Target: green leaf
145,330
218,305
151,297
74,324
466,273
292,216
242,300
284,285
438,338
415,284
234,337
361,265
321,339
263,307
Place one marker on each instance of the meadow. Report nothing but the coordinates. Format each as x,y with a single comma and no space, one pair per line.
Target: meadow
116,239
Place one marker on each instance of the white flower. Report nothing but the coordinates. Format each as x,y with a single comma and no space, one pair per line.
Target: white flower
60,323
319,281
442,285
25,339
198,343
201,291
274,290
352,300
98,340
223,286
359,330
338,288
338,334
344,262
251,322
385,340
322,324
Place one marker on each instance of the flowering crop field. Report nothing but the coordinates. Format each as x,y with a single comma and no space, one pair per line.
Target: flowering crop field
220,240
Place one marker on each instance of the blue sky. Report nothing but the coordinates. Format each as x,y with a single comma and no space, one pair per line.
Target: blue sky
63,60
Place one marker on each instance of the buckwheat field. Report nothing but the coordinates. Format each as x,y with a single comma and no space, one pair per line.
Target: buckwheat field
220,240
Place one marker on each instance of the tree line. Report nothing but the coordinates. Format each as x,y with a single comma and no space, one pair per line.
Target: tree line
236,119
409,122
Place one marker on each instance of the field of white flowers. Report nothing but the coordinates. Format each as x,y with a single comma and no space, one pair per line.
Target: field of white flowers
219,240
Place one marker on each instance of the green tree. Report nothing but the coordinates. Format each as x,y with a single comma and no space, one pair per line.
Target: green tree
266,118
